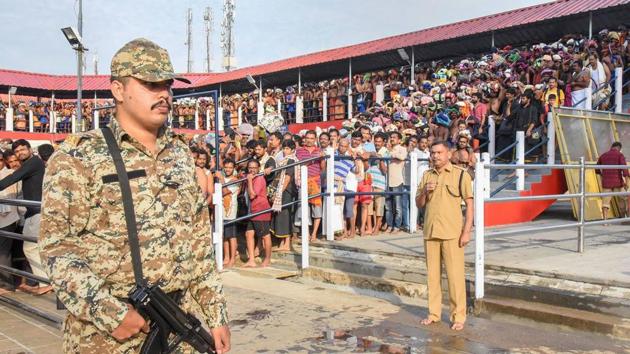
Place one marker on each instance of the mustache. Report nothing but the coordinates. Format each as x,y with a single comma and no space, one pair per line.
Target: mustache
161,103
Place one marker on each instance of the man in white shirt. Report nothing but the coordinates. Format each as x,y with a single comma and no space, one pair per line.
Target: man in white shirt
9,218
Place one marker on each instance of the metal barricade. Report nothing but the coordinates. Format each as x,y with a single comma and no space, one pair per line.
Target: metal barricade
304,197
17,272
480,192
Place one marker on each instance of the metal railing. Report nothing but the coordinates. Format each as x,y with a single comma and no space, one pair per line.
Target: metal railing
480,193
20,273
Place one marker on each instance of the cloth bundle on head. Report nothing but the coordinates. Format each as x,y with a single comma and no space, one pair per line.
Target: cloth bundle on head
271,122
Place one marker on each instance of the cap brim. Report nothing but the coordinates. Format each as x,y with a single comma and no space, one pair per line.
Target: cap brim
182,79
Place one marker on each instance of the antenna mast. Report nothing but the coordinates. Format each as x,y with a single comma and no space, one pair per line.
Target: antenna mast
207,19
227,35
189,39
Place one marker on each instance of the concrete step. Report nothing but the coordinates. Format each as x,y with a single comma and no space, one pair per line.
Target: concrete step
615,326
403,275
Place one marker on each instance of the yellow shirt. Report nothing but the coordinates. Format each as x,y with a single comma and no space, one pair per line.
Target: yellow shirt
443,210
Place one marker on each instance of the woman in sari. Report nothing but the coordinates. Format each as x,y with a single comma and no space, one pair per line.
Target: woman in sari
285,192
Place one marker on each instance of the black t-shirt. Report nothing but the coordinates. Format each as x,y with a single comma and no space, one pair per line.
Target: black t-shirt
31,173
524,117
271,163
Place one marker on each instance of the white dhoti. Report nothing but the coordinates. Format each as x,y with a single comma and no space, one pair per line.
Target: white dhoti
578,99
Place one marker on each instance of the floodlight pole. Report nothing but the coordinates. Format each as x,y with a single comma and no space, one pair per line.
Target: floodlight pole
80,69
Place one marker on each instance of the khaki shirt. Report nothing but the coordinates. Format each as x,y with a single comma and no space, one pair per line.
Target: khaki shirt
443,210
84,243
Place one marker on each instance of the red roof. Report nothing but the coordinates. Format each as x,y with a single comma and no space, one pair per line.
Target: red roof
503,20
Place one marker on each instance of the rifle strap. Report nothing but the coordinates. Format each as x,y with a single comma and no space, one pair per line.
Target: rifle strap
127,198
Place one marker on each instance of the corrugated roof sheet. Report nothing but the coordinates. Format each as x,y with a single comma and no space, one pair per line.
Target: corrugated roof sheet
499,21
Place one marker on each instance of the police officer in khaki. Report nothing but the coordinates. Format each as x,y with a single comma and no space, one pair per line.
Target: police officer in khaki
84,241
445,233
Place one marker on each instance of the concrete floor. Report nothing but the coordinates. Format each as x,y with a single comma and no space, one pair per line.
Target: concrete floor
279,316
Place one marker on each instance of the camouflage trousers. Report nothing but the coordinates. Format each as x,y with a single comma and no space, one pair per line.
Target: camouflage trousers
84,338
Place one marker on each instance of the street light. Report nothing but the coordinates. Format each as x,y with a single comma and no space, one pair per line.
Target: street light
12,91
403,54
74,38
76,42
253,82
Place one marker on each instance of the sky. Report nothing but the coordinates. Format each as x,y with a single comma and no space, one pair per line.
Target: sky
265,30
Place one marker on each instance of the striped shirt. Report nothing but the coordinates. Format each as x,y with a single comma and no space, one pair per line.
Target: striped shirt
378,178
342,168
314,167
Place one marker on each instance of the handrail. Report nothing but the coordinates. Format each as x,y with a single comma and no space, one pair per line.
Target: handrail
506,149
503,186
300,162
555,166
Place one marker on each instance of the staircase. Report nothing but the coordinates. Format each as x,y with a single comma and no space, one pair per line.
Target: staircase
537,182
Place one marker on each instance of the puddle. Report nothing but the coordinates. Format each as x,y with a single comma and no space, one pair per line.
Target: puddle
258,315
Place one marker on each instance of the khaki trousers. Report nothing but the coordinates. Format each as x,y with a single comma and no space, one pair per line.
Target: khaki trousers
449,252
31,250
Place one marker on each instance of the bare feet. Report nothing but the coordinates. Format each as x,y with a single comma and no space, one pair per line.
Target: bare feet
250,264
42,290
457,326
5,291
264,263
428,321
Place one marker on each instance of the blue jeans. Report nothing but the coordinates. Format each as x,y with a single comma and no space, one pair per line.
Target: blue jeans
394,213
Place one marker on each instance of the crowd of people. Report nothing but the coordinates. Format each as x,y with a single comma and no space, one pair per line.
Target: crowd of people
21,175
64,113
256,180
573,62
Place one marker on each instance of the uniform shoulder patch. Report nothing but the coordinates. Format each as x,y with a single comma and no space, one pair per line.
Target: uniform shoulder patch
74,140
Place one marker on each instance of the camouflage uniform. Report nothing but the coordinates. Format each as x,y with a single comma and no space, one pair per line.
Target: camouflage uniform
84,237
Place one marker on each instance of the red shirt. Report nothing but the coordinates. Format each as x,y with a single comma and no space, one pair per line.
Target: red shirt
314,167
260,202
612,178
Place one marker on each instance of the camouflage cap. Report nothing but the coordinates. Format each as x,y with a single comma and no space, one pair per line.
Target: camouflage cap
145,61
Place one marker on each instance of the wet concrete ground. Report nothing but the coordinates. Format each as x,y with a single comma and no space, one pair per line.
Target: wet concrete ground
275,316
280,316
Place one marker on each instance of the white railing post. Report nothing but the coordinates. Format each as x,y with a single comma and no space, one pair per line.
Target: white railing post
479,228
222,121
73,123
196,117
217,200
9,120
582,201
330,199
53,121
349,103
492,129
207,119
299,109
618,90
413,186
279,107
589,98
97,118
551,139
31,122
325,107
520,160
260,106
239,119
304,214
485,157
220,113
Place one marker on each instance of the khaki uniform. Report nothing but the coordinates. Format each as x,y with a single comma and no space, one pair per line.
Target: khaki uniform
84,241
443,224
